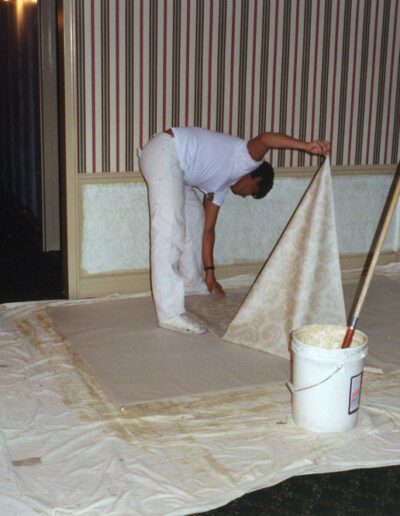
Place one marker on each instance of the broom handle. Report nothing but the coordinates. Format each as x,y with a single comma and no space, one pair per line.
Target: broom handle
385,226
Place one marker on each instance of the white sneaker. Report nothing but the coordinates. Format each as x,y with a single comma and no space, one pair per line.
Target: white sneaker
182,323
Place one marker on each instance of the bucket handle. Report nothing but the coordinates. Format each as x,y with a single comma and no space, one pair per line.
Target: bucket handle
294,389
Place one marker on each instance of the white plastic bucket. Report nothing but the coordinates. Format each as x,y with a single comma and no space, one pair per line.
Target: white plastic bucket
326,383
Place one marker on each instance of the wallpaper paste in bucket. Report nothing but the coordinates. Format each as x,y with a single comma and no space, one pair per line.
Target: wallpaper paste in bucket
326,380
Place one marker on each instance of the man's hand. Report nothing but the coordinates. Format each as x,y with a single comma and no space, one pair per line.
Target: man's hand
212,284
318,147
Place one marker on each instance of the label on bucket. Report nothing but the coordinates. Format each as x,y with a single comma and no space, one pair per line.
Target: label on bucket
355,393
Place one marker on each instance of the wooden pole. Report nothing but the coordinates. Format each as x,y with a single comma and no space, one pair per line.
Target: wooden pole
381,238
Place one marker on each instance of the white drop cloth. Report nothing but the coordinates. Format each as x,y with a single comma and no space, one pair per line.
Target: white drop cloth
67,448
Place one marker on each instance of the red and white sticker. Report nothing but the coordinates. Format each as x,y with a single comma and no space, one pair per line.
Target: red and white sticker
355,393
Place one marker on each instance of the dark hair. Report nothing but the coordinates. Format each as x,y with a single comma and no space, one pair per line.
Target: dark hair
266,172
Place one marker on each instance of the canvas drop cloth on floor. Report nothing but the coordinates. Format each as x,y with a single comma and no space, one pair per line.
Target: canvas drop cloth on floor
136,361
68,447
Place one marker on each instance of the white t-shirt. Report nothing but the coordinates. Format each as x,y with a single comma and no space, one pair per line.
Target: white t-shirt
212,161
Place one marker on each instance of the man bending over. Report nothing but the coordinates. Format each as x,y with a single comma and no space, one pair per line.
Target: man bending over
173,164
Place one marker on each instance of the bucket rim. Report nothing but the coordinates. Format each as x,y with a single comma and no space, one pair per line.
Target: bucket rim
361,334
298,345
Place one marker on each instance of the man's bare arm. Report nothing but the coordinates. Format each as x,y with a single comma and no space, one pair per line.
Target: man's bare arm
211,214
262,143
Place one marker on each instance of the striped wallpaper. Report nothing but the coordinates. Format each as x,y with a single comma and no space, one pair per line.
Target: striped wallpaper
311,68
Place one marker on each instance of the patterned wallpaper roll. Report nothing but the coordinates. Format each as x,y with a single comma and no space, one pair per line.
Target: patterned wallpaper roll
310,68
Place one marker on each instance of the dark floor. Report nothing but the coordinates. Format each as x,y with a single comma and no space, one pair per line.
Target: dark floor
29,274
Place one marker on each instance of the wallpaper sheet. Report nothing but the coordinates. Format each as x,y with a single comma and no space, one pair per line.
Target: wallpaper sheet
310,68
300,282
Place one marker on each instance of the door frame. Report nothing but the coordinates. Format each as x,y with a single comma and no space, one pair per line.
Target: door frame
48,89
68,146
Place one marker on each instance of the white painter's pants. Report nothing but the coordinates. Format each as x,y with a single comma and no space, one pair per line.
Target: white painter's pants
177,222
